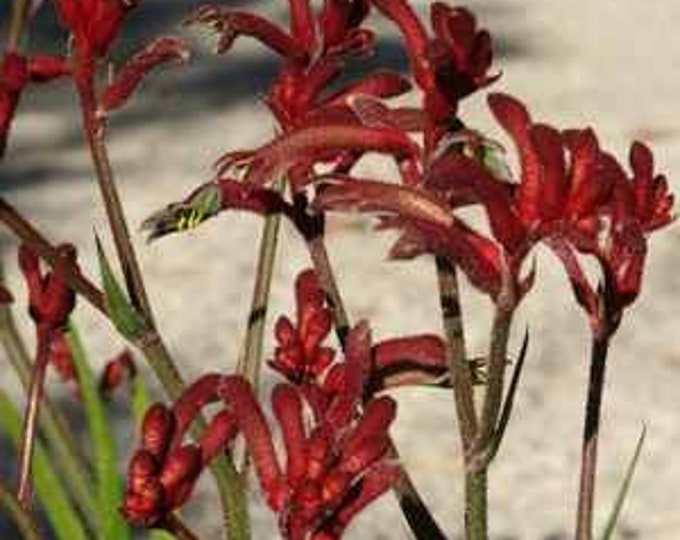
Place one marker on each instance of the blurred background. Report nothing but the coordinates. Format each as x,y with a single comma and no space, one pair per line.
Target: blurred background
609,64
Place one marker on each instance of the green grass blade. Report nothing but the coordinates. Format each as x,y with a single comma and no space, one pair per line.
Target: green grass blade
109,483
623,490
48,485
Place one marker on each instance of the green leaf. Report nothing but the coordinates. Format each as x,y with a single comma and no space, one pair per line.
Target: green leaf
48,485
127,320
625,487
109,484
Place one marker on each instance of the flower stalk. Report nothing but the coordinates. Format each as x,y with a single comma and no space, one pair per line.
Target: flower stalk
591,431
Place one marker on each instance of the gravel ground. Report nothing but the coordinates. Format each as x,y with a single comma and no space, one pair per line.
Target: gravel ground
608,63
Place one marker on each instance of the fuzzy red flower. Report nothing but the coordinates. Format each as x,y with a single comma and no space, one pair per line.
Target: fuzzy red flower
95,24
451,64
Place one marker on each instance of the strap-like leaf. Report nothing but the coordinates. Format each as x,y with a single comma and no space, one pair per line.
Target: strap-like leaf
127,320
625,487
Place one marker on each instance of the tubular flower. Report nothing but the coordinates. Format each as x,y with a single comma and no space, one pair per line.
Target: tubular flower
94,24
300,356
16,73
51,300
329,475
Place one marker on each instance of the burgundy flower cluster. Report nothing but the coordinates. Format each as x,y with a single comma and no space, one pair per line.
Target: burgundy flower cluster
569,194
336,458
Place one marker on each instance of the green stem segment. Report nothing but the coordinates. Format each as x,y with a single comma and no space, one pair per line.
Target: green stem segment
251,359
497,361
476,506
456,355
591,430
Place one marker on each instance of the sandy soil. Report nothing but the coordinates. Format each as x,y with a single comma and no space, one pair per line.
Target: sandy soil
609,64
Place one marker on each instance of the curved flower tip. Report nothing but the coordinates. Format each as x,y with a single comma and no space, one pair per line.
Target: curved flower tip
158,52
229,24
652,198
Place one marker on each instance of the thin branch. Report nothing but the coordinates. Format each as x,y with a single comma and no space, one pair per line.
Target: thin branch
591,430
31,416
26,232
459,368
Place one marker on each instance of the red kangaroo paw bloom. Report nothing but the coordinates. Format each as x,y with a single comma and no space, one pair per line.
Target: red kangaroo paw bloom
95,24
451,64
51,300
300,355
231,24
158,52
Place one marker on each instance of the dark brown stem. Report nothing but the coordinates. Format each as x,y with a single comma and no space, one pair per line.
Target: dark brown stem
94,128
37,241
456,355
591,430
324,271
59,435
31,416
177,528
419,518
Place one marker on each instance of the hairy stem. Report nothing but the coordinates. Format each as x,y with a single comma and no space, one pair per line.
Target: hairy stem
24,520
476,506
456,354
35,391
493,398
591,430
251,360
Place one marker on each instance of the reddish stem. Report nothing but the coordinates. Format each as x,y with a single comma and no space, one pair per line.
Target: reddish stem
44,337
